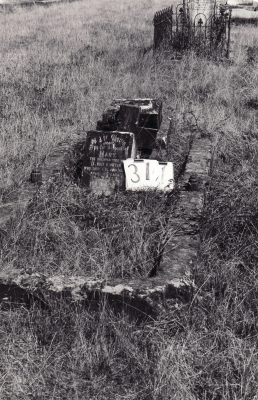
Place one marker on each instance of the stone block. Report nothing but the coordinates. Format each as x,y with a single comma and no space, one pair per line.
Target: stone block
180,254
140,116
102,169
109,121
129,117
145,137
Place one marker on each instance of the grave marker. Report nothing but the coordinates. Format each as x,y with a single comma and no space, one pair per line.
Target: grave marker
144,174
102,169
202,10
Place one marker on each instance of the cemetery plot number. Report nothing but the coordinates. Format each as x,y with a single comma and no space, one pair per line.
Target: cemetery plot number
148,174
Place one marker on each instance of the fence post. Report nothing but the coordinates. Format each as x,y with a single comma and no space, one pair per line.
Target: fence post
228,43
171,27
171,133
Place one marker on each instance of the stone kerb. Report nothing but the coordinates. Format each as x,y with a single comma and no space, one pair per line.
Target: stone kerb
181,250
8,7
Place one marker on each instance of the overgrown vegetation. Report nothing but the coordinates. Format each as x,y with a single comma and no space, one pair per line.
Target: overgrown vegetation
69,231
60,68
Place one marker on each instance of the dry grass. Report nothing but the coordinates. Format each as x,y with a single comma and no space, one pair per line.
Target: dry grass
59,70
60,67
69,231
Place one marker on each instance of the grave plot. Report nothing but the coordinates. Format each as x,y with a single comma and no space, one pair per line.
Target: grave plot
201,26
97,237
52,168
117,234
134,248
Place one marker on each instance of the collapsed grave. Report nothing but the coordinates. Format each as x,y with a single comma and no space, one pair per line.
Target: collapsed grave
168,273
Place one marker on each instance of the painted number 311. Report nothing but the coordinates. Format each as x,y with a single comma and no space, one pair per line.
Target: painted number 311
137,176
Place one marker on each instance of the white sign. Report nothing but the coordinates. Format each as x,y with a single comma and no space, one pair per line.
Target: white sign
148,174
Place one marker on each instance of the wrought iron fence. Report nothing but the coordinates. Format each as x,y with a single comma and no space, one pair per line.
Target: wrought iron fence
163,23
180,31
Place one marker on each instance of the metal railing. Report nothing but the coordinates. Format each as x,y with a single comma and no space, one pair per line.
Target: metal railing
179,31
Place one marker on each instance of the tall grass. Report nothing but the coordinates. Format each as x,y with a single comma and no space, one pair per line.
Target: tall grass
69,231
60,67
